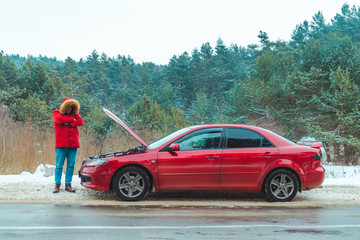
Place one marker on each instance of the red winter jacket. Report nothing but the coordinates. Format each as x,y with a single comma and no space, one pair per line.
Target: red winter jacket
67,135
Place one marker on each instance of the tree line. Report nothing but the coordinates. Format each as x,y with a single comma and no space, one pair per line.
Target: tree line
307,86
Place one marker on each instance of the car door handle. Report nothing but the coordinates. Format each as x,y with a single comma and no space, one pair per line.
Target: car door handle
268,154
212,157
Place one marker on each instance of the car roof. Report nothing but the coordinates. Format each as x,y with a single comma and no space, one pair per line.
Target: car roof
228,125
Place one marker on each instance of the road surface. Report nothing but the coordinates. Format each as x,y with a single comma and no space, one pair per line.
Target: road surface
49,221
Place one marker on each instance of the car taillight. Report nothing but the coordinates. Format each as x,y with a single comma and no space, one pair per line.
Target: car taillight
317,156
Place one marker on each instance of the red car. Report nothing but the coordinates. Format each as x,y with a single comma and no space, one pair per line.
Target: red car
211,158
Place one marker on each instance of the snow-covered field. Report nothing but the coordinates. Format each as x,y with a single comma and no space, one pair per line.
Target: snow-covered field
341,187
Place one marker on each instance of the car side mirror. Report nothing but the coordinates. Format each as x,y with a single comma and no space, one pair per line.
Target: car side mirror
173,147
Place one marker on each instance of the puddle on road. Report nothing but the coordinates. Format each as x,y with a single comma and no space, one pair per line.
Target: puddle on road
312,231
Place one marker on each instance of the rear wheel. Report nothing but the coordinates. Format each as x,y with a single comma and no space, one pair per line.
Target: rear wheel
281,186
131,184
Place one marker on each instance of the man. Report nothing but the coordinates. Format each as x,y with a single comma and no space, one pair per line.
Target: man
66,121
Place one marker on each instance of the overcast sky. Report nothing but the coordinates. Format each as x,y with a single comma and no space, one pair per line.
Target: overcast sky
147,30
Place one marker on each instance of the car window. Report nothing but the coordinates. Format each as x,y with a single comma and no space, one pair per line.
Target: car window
201,140
245,138
279,136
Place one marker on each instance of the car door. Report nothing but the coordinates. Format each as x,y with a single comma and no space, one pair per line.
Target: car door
245,155
196,165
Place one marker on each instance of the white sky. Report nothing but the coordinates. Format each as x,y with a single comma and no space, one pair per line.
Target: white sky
147,30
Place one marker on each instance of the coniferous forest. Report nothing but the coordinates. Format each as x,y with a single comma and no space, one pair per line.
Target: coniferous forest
306,86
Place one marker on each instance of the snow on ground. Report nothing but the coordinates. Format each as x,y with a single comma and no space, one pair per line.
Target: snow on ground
341,187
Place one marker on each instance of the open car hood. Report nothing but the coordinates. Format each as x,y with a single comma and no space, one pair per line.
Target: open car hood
126,127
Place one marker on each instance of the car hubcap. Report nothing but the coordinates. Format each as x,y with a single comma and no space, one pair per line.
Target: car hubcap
131,184
282,186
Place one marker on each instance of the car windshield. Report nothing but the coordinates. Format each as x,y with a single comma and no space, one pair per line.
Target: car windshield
164,140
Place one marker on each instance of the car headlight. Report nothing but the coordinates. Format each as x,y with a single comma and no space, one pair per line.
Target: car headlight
96,162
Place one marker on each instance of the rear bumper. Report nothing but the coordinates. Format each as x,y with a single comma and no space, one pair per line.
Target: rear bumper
314,178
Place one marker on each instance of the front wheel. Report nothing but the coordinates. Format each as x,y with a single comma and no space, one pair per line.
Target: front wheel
281,186
131,184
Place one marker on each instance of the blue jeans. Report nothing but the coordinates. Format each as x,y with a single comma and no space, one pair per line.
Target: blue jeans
62,153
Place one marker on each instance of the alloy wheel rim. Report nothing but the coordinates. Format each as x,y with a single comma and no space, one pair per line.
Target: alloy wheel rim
282,186
131,184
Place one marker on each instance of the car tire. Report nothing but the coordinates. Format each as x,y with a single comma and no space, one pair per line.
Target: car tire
280,186
131,184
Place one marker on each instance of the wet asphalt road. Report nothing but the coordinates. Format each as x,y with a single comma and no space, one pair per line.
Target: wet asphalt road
116,222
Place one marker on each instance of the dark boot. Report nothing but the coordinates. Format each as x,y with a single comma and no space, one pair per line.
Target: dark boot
69,188
57,188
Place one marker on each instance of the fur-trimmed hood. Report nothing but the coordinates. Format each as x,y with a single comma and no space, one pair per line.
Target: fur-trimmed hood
69,102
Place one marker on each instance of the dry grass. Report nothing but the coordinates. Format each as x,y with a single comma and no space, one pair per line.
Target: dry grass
24,148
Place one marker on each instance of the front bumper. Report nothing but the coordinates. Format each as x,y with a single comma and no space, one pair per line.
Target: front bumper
84,178
96,178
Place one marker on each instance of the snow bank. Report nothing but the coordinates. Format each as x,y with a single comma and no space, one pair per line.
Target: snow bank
332,171
41,170
44,175
339,175
342,175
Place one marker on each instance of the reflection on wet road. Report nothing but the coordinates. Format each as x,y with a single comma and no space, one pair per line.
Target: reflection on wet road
116,222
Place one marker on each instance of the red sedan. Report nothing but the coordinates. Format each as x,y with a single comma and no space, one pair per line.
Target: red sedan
212,158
